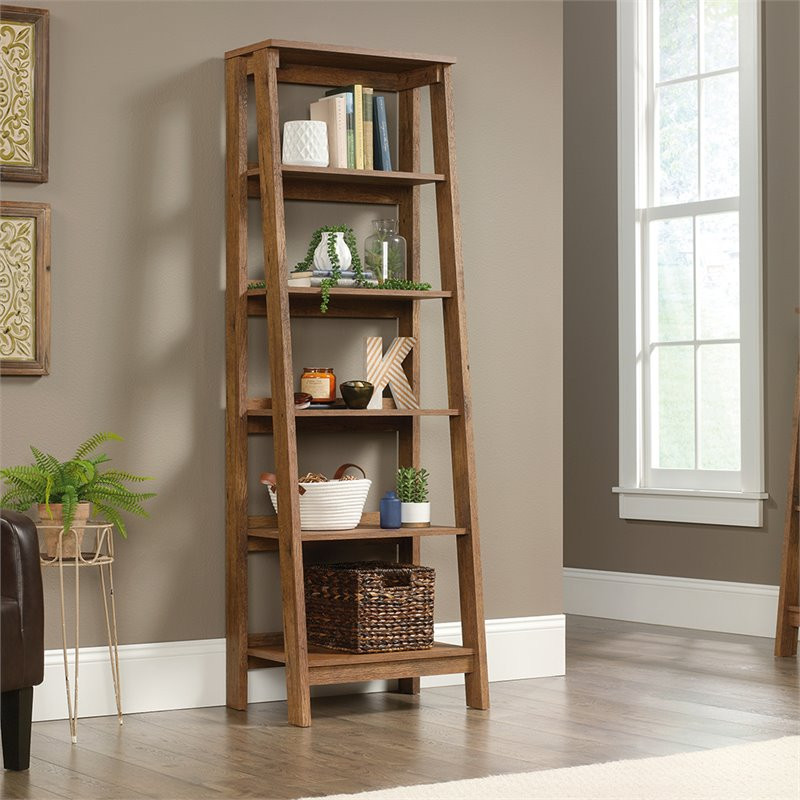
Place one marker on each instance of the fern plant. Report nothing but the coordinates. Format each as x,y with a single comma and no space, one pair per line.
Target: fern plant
412,485
78,480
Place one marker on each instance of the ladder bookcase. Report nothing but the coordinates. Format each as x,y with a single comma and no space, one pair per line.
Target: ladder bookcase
789,594
267,64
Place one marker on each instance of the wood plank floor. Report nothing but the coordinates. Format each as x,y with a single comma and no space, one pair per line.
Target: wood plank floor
632,691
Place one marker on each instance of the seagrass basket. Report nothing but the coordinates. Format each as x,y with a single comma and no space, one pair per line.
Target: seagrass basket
370,606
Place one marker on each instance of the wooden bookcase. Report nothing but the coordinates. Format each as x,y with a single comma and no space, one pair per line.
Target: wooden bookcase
269,63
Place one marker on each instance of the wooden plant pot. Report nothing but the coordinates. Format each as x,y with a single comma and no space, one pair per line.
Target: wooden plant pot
73,538
415,515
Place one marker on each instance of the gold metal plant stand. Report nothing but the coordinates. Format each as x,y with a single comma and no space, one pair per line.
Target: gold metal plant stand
100,536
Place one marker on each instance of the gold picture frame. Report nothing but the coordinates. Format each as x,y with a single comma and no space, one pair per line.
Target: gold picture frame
24,288
24,101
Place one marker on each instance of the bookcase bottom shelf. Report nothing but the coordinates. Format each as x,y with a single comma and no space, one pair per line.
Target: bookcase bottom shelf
329,666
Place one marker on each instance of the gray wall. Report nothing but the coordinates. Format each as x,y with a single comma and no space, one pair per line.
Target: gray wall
137,187
594,536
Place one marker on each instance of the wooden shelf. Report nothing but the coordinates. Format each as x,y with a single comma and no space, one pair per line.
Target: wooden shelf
339,417
369,176
334,65
359,294
334,55
263,527
262,407
346,302
334,185
330,666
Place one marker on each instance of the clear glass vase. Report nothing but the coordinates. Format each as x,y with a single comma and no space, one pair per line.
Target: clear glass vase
385,252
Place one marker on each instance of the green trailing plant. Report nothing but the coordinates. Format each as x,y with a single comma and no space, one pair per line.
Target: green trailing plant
400,285
328,283
77,480
307,264
412,485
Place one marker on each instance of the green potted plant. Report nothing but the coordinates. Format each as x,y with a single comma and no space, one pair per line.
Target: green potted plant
65,492
412,489
333,248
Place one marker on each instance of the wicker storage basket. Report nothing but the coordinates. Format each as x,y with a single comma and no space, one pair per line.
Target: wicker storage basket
334,505
370,606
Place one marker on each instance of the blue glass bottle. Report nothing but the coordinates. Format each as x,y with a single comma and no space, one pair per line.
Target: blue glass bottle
390,511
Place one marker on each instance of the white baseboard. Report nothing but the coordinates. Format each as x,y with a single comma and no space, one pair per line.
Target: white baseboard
171,675
745,608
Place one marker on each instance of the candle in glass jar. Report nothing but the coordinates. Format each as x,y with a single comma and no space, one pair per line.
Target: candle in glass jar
320,383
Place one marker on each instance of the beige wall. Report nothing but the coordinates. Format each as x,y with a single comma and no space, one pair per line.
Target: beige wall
137,143
594,536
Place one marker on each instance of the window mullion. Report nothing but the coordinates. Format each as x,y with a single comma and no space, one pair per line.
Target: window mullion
649,194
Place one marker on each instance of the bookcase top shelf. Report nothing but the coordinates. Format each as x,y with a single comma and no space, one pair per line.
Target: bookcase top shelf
334,55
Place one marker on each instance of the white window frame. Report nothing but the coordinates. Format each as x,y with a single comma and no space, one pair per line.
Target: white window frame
724,498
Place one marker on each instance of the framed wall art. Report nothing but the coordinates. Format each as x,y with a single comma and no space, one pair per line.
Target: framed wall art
24,288
24,77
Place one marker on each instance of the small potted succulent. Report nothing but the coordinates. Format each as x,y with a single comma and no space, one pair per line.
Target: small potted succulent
66,490
412,489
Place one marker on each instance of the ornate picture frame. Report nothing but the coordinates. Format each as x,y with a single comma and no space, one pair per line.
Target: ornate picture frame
24,288
24,101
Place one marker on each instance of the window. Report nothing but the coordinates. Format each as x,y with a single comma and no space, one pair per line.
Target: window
691,431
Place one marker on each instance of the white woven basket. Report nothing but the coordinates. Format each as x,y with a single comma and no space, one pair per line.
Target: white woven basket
335,505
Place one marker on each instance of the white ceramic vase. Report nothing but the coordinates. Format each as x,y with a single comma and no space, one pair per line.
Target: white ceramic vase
415,515
321,259
305,143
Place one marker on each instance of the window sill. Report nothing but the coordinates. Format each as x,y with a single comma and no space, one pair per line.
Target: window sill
741,509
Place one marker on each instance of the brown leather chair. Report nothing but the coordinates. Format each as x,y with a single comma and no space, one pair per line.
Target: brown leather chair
21,634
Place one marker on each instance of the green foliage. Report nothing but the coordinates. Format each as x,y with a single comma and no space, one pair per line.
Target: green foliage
412,485
78,480
328,283
373,256
398,285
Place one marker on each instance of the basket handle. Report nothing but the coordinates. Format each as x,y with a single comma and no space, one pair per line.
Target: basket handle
269,479
339,474
398,579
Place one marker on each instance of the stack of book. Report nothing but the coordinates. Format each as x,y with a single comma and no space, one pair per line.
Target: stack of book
358,136
348,277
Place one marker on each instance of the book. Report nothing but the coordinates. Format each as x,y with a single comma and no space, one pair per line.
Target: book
350,123
382,157
333,112
343,283
358,119
345,274
368,141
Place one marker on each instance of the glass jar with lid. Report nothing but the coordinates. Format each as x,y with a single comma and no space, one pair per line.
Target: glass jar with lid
385,251
320,383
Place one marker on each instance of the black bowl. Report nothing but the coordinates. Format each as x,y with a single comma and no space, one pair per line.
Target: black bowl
356,394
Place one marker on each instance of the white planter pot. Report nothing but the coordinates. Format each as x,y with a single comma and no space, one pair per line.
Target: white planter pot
415,515
305,143
321,258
